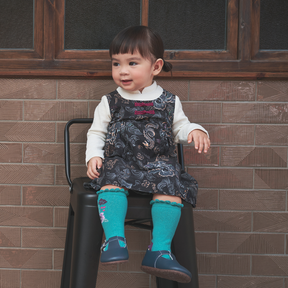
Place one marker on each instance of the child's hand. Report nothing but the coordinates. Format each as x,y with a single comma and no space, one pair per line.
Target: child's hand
94,164
201,140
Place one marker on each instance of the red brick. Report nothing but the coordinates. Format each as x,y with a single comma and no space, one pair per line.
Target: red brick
10,278
27,89
286,251
222,90
53,153
275,135
10,195
257,190
223,264
84,89
46,196
60,217
248,281
270,265
27,132
26,216
202,112
78,132
43,238
275,91
206,242
251,243
134,263
40,279
207,281
43,153
25,258
26,174
92,107
76,171
253,200
271,178
192,157
77,153
10,110
255,113
122,280
222,221
53,110
254,156
112,267
231,134
270,222
207,199
10,152
223,178
177,87
58,259
10,237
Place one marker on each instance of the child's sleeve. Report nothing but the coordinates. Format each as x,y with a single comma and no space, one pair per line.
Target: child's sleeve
97,133
181,124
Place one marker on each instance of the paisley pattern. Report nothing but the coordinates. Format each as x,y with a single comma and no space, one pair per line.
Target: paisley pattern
140,153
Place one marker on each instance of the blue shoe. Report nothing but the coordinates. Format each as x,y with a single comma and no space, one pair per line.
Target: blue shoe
114,253
161,267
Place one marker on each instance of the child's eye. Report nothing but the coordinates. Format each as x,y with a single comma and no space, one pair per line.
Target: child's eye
132,63
115,64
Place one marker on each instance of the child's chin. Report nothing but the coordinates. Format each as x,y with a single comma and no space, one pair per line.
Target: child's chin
128,88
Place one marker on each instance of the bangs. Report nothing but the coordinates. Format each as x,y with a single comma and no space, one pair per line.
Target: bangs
130,41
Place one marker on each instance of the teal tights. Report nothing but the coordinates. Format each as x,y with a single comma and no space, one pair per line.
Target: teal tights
165,217
112,206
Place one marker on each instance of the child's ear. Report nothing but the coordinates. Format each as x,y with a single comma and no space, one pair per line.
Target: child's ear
157,66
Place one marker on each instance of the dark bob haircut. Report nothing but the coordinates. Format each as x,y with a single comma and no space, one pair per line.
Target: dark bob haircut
142,39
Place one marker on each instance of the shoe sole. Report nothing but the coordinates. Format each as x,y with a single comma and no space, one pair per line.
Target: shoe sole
114,262
167,274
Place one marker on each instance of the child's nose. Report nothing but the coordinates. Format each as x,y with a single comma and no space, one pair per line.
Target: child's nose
123,70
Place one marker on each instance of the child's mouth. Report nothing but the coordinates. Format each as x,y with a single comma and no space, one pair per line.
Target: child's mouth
125,82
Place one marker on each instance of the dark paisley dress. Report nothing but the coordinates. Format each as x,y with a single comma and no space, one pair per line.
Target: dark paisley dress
140,153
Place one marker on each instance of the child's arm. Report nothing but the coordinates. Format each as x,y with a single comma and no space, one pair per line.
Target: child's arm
96,138
185,132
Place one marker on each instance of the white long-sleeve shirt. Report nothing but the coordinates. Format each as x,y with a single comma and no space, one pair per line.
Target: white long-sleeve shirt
97,133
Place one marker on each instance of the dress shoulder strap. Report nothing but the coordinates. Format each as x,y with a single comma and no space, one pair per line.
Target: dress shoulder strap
110,96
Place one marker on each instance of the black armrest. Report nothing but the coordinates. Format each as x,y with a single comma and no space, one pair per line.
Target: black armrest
67,145
181,155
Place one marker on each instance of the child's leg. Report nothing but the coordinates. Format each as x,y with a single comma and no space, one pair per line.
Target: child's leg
165,216
158,260
112,206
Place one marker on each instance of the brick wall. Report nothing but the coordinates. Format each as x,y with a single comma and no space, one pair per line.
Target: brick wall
241,219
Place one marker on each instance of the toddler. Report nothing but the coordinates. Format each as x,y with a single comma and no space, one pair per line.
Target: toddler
131,145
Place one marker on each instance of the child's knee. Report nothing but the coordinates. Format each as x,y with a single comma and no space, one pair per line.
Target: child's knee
167,198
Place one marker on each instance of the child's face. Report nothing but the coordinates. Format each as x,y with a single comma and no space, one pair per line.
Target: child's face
133,72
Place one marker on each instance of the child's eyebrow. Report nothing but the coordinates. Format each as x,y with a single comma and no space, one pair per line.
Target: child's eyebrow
129,59
134,58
